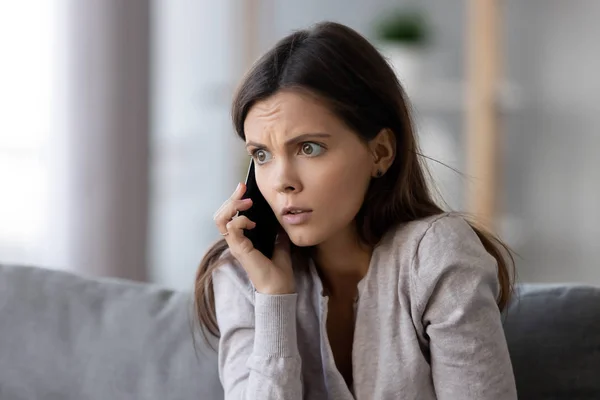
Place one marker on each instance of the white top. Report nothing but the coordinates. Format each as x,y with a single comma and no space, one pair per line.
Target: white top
426,326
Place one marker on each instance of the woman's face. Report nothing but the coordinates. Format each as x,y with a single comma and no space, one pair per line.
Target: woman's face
309,162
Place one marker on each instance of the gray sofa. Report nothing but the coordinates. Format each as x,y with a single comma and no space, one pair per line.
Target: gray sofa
64,336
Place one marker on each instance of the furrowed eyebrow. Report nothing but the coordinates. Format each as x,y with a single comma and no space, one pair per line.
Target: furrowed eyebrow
300,138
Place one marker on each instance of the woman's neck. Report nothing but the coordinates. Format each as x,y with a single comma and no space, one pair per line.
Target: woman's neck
342,262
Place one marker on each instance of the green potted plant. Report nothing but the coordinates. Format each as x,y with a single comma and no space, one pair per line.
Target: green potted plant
402,36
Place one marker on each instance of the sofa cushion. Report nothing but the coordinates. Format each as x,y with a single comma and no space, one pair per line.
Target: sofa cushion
553,334
66,337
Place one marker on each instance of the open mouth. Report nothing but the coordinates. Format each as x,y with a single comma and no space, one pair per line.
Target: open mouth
294,211
296,216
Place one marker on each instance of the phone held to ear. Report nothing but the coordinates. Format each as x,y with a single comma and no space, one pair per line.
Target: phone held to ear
264,233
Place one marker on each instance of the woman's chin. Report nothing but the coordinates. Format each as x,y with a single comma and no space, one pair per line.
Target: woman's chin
302,239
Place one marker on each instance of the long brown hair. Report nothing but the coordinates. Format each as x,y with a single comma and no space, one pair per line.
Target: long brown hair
341,67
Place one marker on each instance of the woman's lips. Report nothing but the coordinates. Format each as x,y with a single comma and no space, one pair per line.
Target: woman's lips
298,218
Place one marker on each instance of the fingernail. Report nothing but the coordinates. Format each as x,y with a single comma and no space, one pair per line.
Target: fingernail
238,186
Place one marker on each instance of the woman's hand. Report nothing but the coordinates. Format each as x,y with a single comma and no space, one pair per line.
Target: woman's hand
268,276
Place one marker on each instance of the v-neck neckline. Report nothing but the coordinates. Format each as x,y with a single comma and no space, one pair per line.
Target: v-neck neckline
359,286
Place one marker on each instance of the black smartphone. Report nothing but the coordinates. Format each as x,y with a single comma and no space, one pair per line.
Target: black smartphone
267,226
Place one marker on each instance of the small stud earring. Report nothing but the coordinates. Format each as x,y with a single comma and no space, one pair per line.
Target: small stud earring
379,173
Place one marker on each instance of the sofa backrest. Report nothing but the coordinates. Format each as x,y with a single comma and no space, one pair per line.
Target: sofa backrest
66,337
63,336
553,335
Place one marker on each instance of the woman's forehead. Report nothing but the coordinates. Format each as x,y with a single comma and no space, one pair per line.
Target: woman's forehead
287,113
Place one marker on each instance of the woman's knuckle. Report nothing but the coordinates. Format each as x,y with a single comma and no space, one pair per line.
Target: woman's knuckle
232,223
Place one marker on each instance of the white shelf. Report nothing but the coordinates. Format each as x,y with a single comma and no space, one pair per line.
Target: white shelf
450,96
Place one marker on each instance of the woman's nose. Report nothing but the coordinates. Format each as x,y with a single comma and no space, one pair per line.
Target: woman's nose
286,180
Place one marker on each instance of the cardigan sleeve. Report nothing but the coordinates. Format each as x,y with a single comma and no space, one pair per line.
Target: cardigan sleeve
258,351
456,285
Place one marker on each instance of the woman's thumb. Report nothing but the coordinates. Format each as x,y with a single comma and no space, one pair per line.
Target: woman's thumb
282,241
282,247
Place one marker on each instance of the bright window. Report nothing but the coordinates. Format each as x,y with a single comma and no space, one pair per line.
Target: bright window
29,134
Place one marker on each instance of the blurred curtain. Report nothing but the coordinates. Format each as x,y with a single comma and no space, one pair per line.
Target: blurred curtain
107,124
199,52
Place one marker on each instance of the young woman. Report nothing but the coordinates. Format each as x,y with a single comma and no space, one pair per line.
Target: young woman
373,292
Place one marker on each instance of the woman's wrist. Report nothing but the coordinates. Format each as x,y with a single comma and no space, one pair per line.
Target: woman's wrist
275,290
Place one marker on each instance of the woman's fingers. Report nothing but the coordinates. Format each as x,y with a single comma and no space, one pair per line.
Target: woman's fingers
239,245
228,211
266,276
238,192
236,195
236,226
232,226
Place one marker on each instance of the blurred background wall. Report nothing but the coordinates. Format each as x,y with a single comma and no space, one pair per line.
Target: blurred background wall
116,145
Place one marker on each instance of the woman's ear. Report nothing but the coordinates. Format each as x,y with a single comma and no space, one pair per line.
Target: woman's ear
383,148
